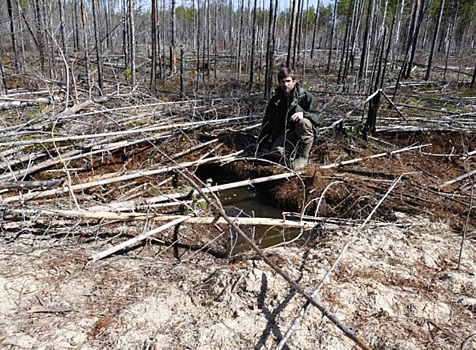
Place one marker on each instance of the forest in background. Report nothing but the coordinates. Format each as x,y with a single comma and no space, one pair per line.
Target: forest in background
363,45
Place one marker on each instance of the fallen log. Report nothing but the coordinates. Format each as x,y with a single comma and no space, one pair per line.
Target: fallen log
147,202
26,103
116,133
204,220
31,184
136,239
126,177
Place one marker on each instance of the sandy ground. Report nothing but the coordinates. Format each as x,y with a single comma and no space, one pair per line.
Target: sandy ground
397,287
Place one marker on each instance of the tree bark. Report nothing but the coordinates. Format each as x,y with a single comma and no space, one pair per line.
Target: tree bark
153,69
97,41
253,47
292,34
12,33
314,32
331,41
435,37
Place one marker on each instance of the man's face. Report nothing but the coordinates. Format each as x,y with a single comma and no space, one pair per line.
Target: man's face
287,85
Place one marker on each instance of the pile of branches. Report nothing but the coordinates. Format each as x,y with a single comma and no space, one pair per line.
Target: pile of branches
119,160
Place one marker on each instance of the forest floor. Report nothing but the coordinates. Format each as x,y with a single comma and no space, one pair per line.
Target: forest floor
397,286
393,255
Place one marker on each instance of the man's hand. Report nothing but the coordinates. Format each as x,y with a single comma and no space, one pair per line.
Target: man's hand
296,116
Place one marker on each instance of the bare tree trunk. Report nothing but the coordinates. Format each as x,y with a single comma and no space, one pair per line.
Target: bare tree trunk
132,42
182,88
356,20
153,69
333,29
209,38
380,49
125,36
173,54
76,26
473,79
389,46
298,34
198,43
108,9
345,49
240,36
40,30
98,45
253,46
314,32
162,43
435,37
450,33
12,34
270,48
366,41
215,44
3,84
399,26
419,9
304,56
85,43
292,33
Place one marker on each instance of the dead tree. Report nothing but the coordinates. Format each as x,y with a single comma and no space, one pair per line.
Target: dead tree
292,33
12,33
253,45
435,37
98,45
153,68
273,5
331,44
314,32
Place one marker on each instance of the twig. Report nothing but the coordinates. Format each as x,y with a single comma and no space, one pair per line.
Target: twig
459,178
466,341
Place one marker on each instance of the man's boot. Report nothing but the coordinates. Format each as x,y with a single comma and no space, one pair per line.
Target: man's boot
302,156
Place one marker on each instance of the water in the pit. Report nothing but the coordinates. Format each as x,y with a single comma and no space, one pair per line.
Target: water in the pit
247,202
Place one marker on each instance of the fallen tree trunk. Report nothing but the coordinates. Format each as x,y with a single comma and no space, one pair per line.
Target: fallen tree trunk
134,175
116,217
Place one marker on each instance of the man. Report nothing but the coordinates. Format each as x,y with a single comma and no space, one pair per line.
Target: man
290,122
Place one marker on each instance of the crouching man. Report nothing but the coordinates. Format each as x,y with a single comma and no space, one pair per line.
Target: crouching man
290,123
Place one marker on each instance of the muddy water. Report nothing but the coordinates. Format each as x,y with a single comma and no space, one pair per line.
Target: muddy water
248,202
